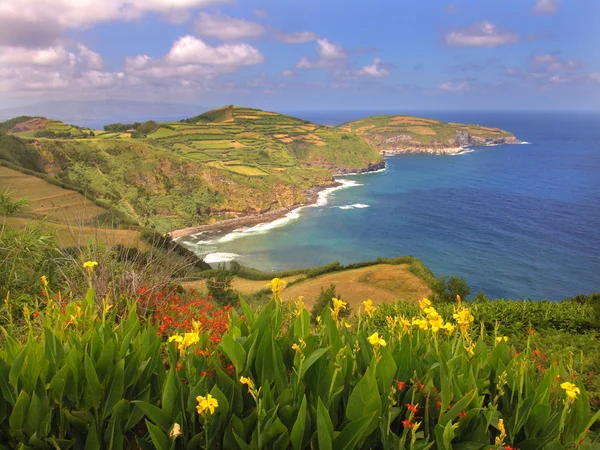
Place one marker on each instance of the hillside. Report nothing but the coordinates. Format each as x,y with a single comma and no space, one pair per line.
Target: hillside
225,163
404,134
28,126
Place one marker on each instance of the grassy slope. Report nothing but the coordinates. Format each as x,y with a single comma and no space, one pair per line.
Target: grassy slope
65,212
415,131
383,283
229,161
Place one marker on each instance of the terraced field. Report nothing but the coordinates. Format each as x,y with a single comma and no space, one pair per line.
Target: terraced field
399,134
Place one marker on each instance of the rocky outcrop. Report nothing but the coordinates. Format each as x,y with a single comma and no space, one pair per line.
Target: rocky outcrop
400,144
371,167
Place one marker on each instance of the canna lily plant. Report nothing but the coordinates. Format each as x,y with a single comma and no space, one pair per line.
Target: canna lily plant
272,379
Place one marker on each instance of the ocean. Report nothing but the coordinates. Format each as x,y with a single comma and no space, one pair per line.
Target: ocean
516,221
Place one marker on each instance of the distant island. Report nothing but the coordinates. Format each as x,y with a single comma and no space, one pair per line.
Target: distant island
230,166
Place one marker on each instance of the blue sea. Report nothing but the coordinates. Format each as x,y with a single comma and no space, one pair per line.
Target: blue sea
516,221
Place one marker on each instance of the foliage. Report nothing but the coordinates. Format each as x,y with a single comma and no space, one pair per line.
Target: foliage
324,301
446,289
219,287
8,125
98,376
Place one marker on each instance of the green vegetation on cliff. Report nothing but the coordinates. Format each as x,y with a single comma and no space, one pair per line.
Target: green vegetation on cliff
228,162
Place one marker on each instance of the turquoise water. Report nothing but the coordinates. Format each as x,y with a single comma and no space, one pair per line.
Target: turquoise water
515,221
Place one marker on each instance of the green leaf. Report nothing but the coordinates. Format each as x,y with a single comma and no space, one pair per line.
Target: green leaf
89,298
35,414
234,351
459,406
19,413
93,388
115,389
92,442
241,442
159,439
297,436
352,433
364,400
170,394
17,365
386,370
308,362
324,427
155,414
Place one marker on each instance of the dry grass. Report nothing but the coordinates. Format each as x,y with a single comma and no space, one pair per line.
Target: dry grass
421,130
403,120
68,236
241,285
47,200
381,283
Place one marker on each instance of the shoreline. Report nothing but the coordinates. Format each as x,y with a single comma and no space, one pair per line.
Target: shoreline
312,195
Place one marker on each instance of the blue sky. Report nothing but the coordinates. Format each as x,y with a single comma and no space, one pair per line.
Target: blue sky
304,54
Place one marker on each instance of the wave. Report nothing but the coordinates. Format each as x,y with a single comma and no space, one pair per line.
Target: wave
354,206
384,169
219,257
464,152
261,228
525,143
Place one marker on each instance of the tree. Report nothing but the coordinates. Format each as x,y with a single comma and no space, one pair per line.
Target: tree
447,288
219,286
324,301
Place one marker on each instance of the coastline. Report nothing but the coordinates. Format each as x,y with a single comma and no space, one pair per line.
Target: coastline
312,195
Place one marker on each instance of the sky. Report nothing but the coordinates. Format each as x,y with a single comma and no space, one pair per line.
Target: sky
304,54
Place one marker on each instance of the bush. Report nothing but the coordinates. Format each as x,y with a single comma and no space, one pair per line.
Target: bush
324,302
219,287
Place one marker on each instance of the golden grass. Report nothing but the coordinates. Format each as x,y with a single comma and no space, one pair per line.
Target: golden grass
242,285
364,129
404,120
47,200
421,130
68,236
381,283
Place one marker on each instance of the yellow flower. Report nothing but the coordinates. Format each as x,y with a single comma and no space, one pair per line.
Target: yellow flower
571,390
421,323
44,280
277,285
89,265
338,305
376,341
208,402
425,303
464,318
107,307
470,349
299,306
196,325
176,338
175,431
448,328
436,324
248,382
500,439
369,308
296,347
501,338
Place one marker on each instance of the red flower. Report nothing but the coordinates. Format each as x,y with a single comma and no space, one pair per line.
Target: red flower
44,293
230,369
530,332
400,384
412,408
36,314
408,424
462,414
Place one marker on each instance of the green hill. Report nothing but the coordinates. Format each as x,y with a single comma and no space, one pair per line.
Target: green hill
405,134
225,163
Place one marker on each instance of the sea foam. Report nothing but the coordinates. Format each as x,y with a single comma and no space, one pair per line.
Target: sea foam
354,206
219,257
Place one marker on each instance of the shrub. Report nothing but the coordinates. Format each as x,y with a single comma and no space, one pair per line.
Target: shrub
219,287
324,301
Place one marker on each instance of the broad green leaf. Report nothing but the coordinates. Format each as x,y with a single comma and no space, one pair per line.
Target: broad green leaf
115,389
93,388
313,357
17,366
170,394
234,351
92,441
352,433
297,435
364,400
19,413
159,439
155,414
324,427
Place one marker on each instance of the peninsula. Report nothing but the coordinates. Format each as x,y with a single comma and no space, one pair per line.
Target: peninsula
230,166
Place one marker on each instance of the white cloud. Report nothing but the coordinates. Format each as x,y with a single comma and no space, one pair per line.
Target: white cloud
329,50
226,28
43,22
190,50
297,37
373,70
481,34
331,56
288,73
454,86
553,63
545,6
36,57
